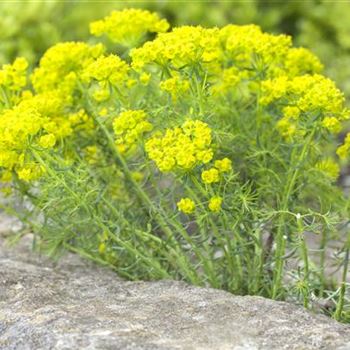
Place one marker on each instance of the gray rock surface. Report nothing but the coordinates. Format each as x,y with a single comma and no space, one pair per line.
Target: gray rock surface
75,305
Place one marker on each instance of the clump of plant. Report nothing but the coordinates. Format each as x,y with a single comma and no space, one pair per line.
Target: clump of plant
206,155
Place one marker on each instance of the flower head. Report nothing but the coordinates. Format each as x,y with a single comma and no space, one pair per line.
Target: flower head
129,126
329,167
182,147
210,176
14,76
186,205
127,27
223,165
47,141
344,150
215,204
62,64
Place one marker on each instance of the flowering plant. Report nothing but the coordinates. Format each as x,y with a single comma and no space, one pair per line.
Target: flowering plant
207,155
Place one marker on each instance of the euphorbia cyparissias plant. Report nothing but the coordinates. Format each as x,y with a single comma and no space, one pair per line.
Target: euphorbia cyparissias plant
202,154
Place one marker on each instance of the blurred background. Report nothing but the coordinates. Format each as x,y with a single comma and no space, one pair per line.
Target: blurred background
28,28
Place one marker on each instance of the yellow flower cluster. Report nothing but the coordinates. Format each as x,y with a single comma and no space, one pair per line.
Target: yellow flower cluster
274,89
291,112
244,43
14,76
301,61
63,64
129,127
210,176
183,46
329,167
46,117
175,86
107,70
332,124
5,180
127,27
228,79
186,205
182,147
318,93
240,46
227,57
91,154
30,172
309,93
48,103
40,120
79,121
252,50
51,105
223,165
308,96
47,141
17,127
145,78
215,204
343,151
287,125
288,128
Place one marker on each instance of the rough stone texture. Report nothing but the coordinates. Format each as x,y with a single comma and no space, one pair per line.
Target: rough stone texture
75,305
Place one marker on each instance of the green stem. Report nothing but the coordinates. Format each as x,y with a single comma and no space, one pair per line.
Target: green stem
259,258
280,239
206,261
233,249
305,258
323,261
231,242
340,304
7,101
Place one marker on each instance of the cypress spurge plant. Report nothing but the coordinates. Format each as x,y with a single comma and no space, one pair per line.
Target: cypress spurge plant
206,155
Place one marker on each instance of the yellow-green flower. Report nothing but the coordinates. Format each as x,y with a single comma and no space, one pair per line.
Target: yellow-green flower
286,127
186,205
302,61
137,176
343,150
128,26
129,126
291,112
62,64
47,141
14,76
102,248
184,45
175,86
210,176
30,172
145,78
109,68
223,165
215,204
181,147
332,124
329,167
